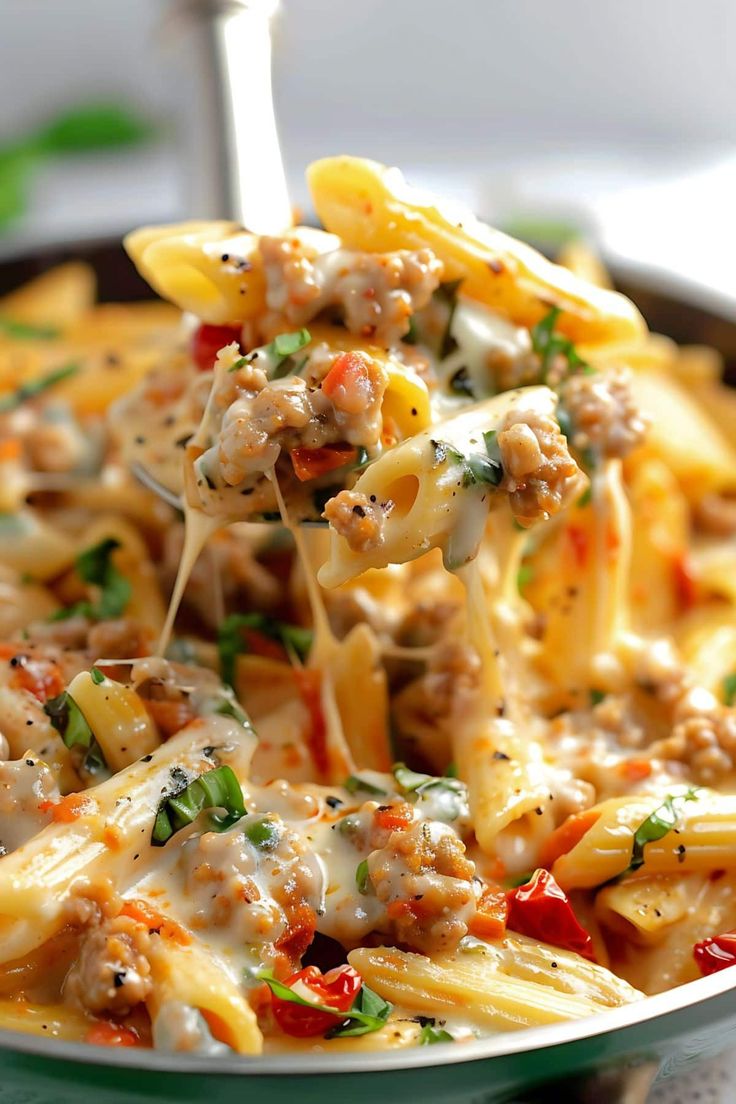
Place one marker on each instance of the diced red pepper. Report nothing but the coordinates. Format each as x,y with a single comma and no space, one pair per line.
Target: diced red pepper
337,989
685,585
302,924
716,953
207,342
491,914
348,383
567,836
311,463
105,1033
580,543
394,817
309,685
541,910
41,677
68,809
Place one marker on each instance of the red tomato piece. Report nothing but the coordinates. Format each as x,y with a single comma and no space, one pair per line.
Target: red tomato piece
105,1033
716,953
207,342
541,910
310,463
336,989
394,817
348,383
491,914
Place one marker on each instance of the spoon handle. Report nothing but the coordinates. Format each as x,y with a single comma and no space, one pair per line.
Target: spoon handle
236,170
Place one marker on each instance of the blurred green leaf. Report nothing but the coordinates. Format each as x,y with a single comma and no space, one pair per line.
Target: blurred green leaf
81,129
92,127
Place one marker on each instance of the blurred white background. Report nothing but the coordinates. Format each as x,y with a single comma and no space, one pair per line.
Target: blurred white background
619,115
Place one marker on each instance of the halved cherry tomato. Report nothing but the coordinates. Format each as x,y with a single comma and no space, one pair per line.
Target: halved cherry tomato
491,914
394,817
207,342
716,953
566,836
310,463
105,1033
541,910
337,989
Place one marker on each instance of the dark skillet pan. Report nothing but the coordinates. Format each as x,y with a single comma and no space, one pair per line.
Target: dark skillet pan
612,1058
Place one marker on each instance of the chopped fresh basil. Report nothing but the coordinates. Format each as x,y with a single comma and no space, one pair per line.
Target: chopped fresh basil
462,384
97,676
278,353
68,720
92,127
362,877
35,387
231,641
451,770
448,795
431,1034
354,784
548,345
447,293
215,789
597,696
26,332
411,336
729,689
585,498
657,825
477,468
368,1013
524,576
95,566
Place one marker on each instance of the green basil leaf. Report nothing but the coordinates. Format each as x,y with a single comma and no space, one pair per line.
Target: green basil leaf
657,825
97,676
92,127
729,689
35,387
462,384
410,781
547,345
447,293
95,566
354,784
369,1013
524,576
215,789
429,1035
24,331
231,641
362,877
68,720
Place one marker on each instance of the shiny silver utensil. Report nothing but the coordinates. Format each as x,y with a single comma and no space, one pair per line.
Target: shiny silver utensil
235,171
